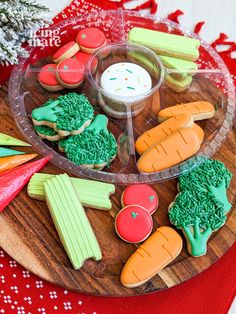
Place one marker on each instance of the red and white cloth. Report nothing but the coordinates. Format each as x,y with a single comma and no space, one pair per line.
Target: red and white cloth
210,292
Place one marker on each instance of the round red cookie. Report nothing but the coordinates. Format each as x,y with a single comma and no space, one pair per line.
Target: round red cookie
66,51
142,195
133,224
70,73
83,57
90,39
47,77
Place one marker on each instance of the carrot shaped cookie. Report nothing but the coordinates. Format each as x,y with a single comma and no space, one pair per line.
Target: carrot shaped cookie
162,131
94,148
174,149
71,222
200,110
91,193
160,249
68,114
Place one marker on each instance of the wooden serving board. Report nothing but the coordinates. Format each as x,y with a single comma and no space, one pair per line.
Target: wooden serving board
28,235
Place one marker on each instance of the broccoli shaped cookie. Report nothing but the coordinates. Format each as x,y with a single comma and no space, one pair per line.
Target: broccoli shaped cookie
94,148
47,133
201,206
198,214
69,114
210,176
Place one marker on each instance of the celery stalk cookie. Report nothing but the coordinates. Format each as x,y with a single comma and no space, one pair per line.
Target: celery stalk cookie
69,114
95,148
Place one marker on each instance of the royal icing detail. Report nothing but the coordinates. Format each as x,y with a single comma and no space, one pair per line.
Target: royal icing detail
142,195
95,146
70,71
91,38
133,224
47,75
126,79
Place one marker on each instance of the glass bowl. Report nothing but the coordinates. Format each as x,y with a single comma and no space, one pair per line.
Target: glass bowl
213,84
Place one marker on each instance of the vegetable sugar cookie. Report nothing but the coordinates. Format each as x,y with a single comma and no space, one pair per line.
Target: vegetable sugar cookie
174,149
200,110
65,52
162,131
47,78
47,133
202,205
83,57
90,39
70,73
142,195
160,249
133,224
94,148
68,114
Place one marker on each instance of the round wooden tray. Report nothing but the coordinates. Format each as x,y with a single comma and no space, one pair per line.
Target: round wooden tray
28,235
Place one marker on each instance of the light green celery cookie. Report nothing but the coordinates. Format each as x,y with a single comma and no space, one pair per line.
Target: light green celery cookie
177,84
176,46
198,214
91,193
71,222
178,65
47,133
7,140
5,152
68,114
95,147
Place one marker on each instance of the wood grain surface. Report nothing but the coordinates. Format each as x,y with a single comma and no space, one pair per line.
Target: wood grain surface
28,235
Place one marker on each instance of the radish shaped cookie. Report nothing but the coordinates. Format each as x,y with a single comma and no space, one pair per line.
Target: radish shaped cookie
133,224
65,52
142,195
69,114
94,148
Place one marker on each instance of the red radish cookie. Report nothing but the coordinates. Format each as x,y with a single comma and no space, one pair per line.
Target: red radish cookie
83,57
47,78
70,73
142,195
90,39
133,224
66,51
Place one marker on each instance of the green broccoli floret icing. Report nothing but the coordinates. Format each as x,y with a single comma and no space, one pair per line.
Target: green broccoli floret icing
212,176
45,130
69,112
198,214
94,146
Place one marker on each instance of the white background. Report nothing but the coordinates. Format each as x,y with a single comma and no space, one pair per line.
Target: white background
219,16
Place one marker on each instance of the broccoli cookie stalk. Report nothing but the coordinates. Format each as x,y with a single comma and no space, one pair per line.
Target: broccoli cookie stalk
198,214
